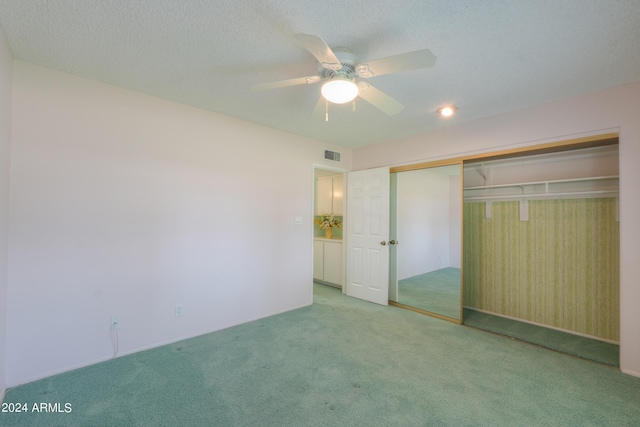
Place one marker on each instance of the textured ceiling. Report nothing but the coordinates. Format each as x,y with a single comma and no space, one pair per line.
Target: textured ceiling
492,56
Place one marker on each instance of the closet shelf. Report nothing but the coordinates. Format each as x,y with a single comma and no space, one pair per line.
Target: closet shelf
584,194
598,186
553,181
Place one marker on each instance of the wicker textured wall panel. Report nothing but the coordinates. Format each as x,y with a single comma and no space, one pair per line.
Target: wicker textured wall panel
561,268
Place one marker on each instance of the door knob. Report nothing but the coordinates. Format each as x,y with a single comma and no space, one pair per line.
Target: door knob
383,243
393,242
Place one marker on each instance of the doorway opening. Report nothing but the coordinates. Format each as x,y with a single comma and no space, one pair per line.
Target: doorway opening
328,226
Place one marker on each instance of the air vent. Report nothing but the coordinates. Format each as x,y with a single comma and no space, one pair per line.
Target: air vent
332,155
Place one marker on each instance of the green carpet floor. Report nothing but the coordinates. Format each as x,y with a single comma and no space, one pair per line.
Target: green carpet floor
437,291
587,348
339,362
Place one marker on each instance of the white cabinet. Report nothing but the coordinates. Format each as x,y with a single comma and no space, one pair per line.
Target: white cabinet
318,260
329,194
333,262
327,261
338,194
324,195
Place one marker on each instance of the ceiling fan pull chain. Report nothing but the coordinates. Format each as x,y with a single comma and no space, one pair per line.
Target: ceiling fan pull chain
326,110
353,103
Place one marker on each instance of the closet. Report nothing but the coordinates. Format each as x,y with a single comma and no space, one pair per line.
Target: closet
540,243
541,238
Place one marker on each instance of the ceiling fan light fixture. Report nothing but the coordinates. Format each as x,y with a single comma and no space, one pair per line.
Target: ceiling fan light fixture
339,91
447,111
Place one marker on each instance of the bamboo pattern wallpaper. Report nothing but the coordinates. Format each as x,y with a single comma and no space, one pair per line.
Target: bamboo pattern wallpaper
561,268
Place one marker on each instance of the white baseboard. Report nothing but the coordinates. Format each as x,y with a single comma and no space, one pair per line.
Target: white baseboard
544,326
629,372
126,352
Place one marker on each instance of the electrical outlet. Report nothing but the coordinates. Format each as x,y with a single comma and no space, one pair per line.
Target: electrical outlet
179,311
115,322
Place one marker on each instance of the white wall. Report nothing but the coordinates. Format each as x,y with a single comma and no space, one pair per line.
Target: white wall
6,67
614,109
124,204
422,222
589,162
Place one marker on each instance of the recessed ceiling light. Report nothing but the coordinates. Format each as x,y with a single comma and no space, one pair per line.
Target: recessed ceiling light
447,111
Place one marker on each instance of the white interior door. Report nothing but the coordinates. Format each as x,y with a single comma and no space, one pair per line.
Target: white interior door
393,236
368,235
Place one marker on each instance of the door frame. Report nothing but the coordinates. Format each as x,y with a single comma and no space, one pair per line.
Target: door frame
343,172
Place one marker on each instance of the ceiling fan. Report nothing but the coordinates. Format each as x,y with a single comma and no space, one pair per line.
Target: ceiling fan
343,74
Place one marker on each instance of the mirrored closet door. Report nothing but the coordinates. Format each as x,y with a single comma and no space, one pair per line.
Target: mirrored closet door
426,222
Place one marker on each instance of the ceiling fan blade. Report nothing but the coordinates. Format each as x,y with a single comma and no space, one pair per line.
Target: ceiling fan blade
394,64
285,83
379,99
320,50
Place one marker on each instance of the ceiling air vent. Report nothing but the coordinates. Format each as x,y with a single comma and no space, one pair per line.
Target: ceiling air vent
332,155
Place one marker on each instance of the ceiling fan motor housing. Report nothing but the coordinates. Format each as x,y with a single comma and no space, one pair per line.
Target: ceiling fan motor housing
348,61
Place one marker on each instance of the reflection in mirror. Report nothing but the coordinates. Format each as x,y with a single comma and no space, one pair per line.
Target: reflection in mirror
426,222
